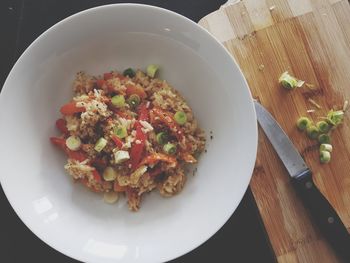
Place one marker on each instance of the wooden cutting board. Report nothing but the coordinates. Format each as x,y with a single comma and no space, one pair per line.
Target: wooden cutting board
310,39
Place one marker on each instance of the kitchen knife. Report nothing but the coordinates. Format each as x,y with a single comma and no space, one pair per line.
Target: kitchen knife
321,211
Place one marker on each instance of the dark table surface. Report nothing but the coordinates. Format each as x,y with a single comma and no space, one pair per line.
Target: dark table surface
241,239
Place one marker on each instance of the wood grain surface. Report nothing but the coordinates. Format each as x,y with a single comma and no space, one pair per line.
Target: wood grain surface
310,39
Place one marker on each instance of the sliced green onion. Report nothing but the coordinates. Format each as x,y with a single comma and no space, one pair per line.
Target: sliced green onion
326,147
129,72
121,132
335,117
162,137
100,144
180,117
110,197
152,70
324,138
109,174
312,132
121,156
325,156
73,143
290,82
118,101
169,148
323,126
303,123
134,100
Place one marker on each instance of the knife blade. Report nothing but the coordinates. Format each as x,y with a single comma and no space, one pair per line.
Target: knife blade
321,211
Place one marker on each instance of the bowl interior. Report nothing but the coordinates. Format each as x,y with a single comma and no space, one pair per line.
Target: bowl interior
78,222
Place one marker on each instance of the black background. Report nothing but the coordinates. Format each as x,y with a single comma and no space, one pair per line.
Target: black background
242,239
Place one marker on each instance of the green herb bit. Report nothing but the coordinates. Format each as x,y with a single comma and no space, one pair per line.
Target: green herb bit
118,101
162,137
325,157
73,143
169,148
180,117
303,123
120,132
335,117
312,132
326,147
324,138
134,100
290,82
323,126
129,72
100,144
152,70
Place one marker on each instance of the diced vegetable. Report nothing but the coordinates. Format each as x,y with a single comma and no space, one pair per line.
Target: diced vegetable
121,156
109,174
100,144
96,175
61,126
188,158
134,100
152,70
118,101
323,126
290,82
118,142
110,197
303,123
335,117
100,83
136,150
60,142
120,132
71,108
73,143
324,138
169,148
135,89
312,132
180,117
75,155
326,147
156,157
143,112
162,137
129,72
325,157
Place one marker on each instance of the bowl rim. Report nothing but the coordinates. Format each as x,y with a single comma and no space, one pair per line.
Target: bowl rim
203,31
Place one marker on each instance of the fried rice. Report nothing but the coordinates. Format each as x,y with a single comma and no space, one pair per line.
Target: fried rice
128,134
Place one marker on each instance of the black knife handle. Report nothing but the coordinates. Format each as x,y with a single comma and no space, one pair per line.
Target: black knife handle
323,214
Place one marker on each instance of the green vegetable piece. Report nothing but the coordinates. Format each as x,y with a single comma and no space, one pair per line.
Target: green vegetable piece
120,132
289,82
100,144
335,117
134,100
303,123
323,126
129,72
169,148
152,70
325,157
118,101
326,147
312,132
180,117
324,138
162,137
109,174
73,143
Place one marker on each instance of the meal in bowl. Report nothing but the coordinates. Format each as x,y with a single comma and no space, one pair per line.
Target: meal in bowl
128,134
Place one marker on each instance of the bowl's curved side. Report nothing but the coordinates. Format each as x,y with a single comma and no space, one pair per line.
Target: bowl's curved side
228,112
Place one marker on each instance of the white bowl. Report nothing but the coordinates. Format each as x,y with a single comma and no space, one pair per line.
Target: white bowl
77,222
